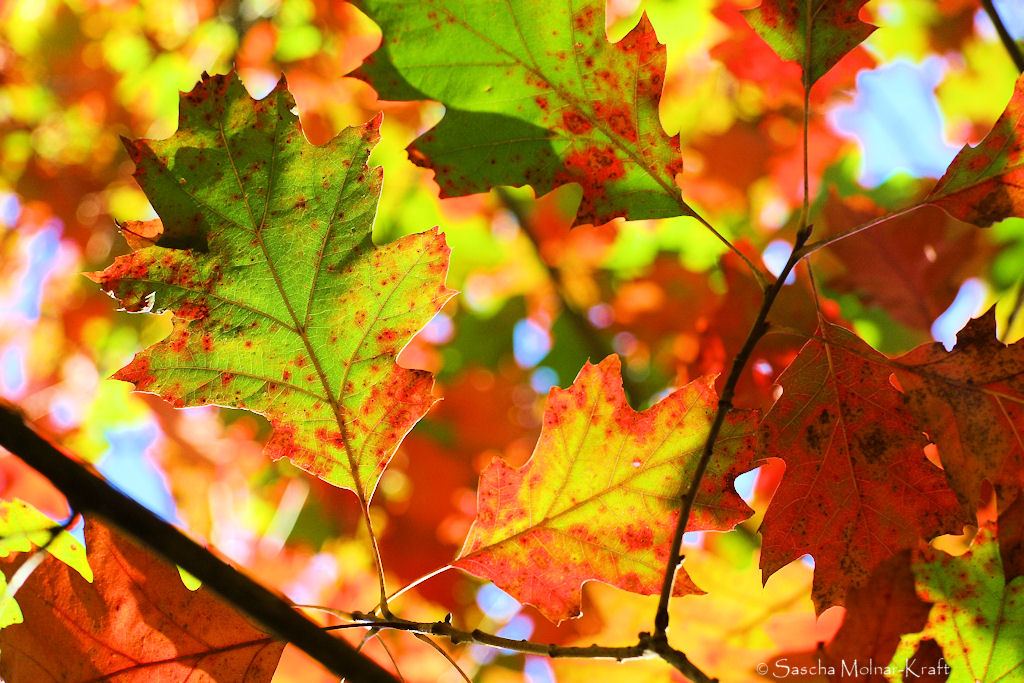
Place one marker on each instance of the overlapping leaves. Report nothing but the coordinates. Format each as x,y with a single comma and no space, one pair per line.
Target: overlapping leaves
135,622
283,305
977,616
970,401
534,94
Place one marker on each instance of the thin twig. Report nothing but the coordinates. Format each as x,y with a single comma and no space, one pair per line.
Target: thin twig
87,493
441,651
759,277
391,656
1012,48
812,247
645,646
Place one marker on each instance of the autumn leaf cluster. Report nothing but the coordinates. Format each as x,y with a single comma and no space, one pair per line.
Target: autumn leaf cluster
633,252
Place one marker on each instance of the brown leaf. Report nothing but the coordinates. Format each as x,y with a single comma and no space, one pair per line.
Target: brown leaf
970,401
877,614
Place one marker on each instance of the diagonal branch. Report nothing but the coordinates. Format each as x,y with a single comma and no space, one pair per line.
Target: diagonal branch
88,493
1012,48
757,330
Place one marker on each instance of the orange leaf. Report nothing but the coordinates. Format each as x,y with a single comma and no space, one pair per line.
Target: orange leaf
135,622
599,498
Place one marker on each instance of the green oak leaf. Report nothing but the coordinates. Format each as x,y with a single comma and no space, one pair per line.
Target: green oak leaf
977,617
534,95
282,303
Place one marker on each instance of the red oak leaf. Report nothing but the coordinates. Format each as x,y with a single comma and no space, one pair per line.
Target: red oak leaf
857,487
970,402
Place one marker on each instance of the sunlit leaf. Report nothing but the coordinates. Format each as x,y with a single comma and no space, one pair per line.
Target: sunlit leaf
283,305
599,498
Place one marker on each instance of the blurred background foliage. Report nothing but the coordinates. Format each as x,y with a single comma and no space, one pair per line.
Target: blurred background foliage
536,299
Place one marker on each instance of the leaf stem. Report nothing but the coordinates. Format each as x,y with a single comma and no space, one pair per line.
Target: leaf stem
422,579
757,330
89,494
1012,48
762,281
378,562
815,246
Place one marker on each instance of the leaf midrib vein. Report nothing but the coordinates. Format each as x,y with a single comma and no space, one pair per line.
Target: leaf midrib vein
299,329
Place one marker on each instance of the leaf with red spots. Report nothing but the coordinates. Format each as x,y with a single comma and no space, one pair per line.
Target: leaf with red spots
970,402
857,487
135,622
534,95
599,498
985,184
283,305
977,618
813,33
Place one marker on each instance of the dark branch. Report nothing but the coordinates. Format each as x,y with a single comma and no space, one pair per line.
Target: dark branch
1008,42
646,645
87,493
757,331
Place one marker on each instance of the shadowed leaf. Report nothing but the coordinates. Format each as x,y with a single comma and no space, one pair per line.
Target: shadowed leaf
911,266
877,614
857,487
534,95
